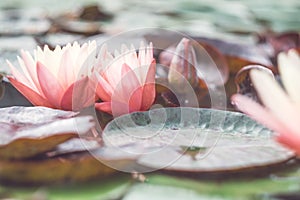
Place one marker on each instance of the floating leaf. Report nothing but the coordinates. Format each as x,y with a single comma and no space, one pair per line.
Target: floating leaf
224,141
31,21
280,42
28,131
220,64
94,13
86,21
75,145
77,26
2,88
66,168
76,160
239,55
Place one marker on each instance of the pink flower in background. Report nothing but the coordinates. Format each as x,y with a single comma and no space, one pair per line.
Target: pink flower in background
56,78
282,107
126,81
182,65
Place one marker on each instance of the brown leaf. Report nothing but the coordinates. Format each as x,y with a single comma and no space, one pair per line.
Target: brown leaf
77,167
280,42
76,160
220,61
239,55
29,131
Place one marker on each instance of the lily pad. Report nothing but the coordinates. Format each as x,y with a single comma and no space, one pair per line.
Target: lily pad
76,160
75,145
240,55
77,167
29,131
28,21
193,140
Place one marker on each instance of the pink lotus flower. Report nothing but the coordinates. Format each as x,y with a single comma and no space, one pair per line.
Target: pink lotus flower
282,108
58,78
126,81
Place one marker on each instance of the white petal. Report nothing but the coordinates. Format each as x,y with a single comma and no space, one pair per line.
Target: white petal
257,112
275,99
25,72
289,68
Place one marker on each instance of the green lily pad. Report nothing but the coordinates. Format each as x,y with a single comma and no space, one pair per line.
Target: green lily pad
29,131
192,140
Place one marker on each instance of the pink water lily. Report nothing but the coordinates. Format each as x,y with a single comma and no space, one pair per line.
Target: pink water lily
126,81
282,106
56,78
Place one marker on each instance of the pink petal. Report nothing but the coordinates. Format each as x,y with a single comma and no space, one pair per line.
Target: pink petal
257,112
130,90
104,106
65,69
119,108
104,90
51,88
290,140
149,88
135,100
31,68
18,76
78,95
102,94
275,99
30,94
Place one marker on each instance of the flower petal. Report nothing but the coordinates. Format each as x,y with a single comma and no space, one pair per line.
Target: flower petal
285,135
145,58
50,86
78,95
66,74
289,68
119,108
275,99
104,89
149,87
258,113
18,76
35,98
290,140
131,91
104,106
53,59
29,68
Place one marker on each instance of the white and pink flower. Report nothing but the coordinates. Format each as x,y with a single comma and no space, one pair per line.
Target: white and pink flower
50,76
126,80
281,112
